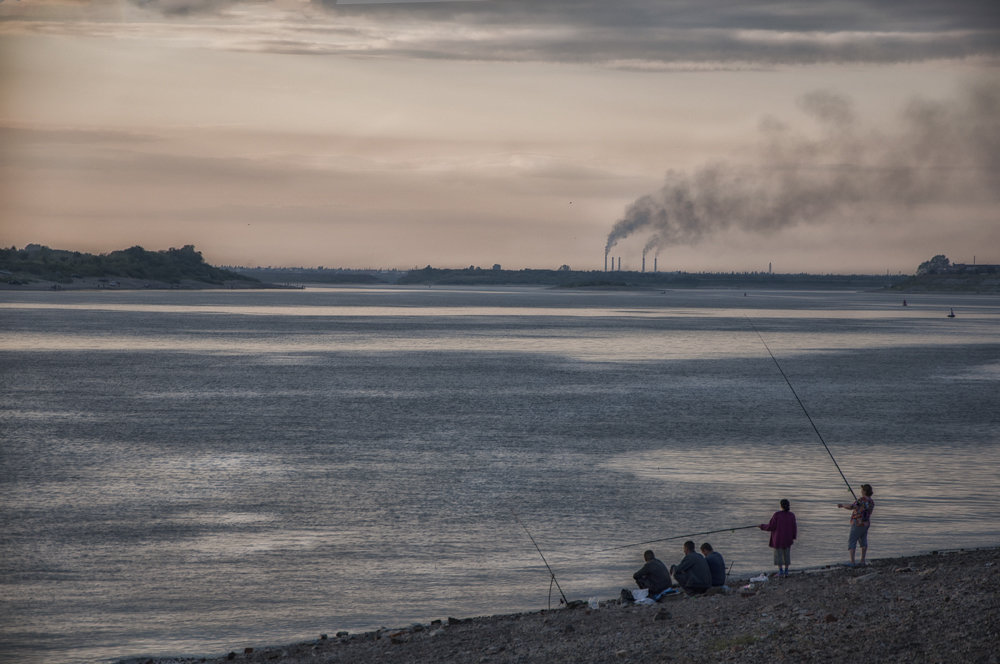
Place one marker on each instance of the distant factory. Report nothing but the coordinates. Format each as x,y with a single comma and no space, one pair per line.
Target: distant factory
619,267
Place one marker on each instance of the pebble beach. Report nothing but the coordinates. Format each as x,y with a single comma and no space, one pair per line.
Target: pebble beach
933,607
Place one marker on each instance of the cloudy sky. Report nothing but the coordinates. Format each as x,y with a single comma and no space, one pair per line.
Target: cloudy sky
822,136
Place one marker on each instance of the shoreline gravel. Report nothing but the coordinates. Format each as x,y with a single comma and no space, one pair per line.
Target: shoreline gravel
933,607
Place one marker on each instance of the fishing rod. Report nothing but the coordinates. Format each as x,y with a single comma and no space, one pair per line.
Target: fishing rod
677,537
782,371
552,574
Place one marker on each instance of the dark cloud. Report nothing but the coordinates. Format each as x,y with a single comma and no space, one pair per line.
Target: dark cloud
940,153
648,33
14,134
835,16
183,7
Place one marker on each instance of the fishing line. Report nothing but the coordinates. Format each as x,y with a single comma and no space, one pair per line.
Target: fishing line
750,320
676,537
551,573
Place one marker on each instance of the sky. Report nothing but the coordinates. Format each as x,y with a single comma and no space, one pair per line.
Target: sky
842,136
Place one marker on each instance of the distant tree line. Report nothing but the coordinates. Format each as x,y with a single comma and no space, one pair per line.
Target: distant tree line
170,266
941,265
301,275
936,265
567,278
940,274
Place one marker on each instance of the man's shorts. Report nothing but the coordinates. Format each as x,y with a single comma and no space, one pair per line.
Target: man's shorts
859,535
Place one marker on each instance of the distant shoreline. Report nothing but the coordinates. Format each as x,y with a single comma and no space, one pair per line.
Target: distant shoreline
37,267
131,284
699,282
691,282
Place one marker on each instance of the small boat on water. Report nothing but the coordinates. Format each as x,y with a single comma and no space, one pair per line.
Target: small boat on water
951,313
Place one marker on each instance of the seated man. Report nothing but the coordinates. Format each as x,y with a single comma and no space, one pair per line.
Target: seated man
653,576
692,572
716,565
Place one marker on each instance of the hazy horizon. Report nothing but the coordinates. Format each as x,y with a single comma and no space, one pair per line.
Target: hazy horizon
851,136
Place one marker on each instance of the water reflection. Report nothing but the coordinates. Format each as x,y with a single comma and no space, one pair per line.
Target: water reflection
181,471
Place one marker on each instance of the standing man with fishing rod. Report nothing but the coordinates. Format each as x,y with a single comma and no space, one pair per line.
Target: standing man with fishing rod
861,507
861,515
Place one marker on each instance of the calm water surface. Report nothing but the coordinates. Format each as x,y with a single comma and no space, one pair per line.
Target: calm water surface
197,472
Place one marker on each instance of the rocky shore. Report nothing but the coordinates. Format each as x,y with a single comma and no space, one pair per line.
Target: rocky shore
937,607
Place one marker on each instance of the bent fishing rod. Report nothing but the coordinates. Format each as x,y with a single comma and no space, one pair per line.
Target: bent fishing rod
801,405
552,574
676,537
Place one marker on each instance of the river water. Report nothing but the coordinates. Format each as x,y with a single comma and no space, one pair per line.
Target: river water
198,472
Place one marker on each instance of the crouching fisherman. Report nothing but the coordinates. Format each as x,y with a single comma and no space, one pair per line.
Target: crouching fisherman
717,566
653,577
692,572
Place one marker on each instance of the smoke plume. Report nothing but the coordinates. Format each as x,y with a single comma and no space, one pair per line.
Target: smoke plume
938,152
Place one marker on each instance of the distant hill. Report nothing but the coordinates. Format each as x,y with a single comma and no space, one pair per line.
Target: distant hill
172,266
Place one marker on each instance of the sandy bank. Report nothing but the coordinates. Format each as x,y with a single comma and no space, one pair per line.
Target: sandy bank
926,608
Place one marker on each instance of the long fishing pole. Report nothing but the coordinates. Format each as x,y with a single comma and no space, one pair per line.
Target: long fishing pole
551,573
676,537
782,371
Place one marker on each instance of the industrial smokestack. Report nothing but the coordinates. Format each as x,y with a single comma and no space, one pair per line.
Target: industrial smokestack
619,263
938,153
605,261
655,269
643,262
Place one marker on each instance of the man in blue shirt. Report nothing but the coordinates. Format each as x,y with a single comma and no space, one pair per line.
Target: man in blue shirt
716,565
